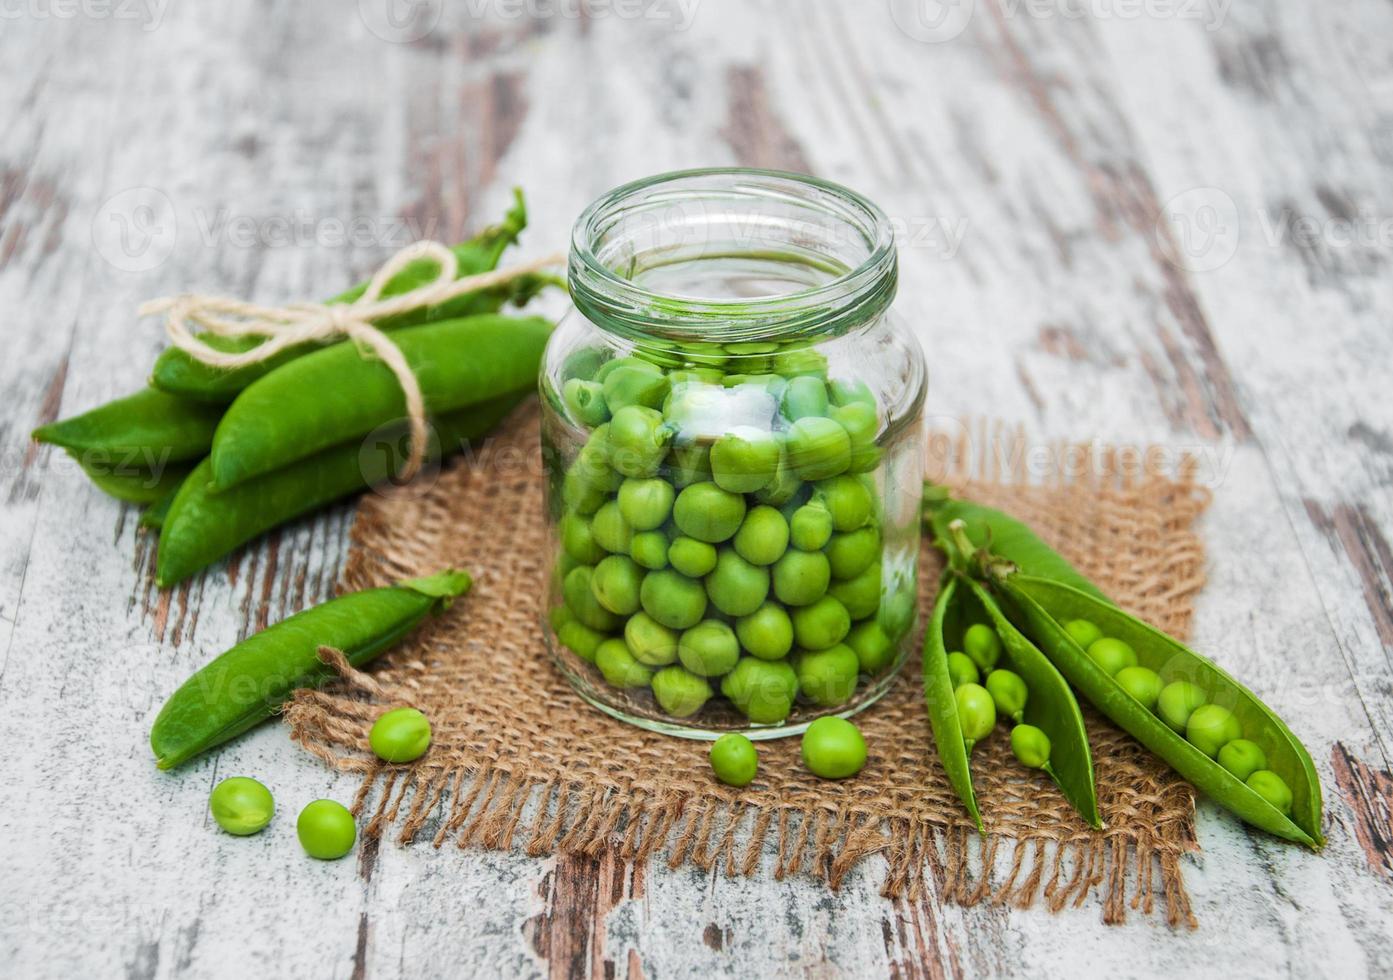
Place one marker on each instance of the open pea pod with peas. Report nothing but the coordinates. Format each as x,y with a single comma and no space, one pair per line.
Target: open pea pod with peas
1021,686
1209,727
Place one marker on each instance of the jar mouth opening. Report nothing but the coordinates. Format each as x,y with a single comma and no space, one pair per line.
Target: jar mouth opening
732,254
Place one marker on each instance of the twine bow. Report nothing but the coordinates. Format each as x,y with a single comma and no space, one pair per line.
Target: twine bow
298,323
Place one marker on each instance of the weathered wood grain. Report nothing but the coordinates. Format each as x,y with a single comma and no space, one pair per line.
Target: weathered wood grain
1033,164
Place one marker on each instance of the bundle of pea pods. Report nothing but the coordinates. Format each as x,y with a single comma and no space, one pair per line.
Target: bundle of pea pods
1017,630
220,456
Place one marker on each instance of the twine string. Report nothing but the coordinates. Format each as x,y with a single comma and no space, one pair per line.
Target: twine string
188,314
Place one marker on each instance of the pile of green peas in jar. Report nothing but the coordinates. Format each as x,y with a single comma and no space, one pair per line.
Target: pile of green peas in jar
720,531
1186,709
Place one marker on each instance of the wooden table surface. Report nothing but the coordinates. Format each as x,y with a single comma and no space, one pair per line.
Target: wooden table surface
1145,222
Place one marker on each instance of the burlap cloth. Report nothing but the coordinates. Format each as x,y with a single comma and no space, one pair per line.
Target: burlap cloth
519,760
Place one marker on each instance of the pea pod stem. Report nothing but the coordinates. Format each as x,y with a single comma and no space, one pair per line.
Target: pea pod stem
249,682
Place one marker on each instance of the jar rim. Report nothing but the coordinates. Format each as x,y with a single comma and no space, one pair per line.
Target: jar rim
851,295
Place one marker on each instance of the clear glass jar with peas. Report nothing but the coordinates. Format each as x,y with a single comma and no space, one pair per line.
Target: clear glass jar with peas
731,422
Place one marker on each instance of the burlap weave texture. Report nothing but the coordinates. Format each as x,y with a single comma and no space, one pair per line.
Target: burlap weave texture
518,760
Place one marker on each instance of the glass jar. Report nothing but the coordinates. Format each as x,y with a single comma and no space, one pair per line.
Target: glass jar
730,426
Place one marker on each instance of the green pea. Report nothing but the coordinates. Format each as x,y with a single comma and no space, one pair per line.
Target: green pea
691,557
848,501
976,712
637,441
833,748
690,464
673,599
580,599
783,487
897,614
646,504
981,643
1008,692
860,595
635,383
1242,758
241,805
649,549
810,528
1177,701
1085,634
744,459
846,392
961,670
610,530
326,830
763,536
851,553
650,642
708,513
818,448
1112,654
800,361
804,396
1210,727
577,540
620,667
801,577
680,692
873,646
579,639
709,648
586,401
590,479
735,586
828,677
1142,683
762,689
400,735
821,624
766,633
1272,788
734,759
1030,746
862,425
616,582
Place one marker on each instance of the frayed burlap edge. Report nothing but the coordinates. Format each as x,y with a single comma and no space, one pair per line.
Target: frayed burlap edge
478,802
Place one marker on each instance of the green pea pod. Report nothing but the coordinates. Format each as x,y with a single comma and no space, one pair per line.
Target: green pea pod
150,428
1046,604
177,372
202,526
1007,538
134,484
249,683
337,394
1051,707
938,694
